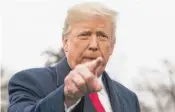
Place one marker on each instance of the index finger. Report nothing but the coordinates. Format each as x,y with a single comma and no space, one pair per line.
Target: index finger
93,65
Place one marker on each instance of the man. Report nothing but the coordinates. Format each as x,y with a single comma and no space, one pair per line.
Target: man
78,83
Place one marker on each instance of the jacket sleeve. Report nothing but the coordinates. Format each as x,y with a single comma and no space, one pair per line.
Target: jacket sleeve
26,95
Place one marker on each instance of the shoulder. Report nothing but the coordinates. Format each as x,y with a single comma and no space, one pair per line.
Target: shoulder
34,73
39,80
127,97
125,93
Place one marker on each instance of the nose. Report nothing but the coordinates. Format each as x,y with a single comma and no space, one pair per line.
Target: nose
93,44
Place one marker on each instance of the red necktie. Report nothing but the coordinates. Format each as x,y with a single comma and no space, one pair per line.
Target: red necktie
96,102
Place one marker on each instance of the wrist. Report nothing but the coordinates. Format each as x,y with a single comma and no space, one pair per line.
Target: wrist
69,101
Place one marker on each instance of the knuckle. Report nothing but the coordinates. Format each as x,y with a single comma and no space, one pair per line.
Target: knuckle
75,91
67,90
81,83
66,79
70,75
89,77
72,72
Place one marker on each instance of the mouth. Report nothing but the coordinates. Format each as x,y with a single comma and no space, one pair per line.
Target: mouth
87,59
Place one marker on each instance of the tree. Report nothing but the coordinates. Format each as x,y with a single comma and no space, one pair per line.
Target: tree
5,76
53,56
162,92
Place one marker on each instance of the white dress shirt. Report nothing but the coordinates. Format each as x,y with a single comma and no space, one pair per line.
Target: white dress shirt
103,97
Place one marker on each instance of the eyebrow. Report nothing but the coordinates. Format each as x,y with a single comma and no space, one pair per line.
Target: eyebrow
101,33
84,32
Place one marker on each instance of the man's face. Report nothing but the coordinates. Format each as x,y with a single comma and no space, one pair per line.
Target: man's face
88,40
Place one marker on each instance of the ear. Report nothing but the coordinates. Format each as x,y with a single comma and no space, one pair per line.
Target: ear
65,44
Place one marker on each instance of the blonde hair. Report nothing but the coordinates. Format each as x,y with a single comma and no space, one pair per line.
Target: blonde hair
86,10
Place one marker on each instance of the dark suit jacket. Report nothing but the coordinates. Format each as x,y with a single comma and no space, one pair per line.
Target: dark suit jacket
41,90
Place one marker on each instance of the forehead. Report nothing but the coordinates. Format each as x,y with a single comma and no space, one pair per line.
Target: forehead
95,23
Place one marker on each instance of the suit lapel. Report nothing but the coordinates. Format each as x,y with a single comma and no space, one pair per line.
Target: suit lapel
113,95
116,100
62,70
88,106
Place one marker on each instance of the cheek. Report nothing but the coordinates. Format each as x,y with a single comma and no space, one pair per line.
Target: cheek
107,52
78,46
105,49
75,51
